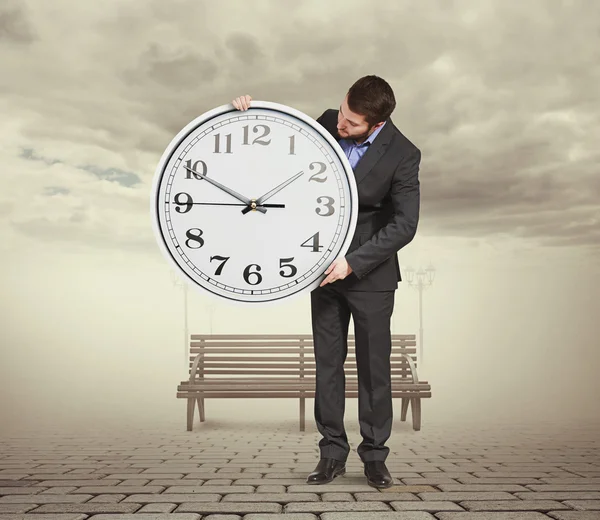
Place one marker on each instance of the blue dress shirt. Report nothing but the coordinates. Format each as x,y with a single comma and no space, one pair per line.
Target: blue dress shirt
354,151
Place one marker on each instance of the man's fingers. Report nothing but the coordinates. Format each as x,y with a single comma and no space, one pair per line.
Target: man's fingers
329,279
333,274
245,102
242,102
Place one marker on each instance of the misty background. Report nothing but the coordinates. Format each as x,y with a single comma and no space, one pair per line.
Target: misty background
501,98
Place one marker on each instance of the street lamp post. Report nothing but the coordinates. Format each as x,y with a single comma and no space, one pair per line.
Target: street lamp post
180,283
424,279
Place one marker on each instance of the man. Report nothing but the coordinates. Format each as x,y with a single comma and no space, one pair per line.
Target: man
363,284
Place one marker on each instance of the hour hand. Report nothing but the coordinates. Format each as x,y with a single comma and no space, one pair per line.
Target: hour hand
231,192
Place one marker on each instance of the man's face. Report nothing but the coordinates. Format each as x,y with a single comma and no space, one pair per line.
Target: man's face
353,126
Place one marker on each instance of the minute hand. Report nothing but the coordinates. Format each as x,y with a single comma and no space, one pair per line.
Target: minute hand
277,189
226,189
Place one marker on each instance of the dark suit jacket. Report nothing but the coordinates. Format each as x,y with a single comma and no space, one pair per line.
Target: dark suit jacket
387,178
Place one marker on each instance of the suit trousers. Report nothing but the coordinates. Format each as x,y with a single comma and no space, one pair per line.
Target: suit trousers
371,311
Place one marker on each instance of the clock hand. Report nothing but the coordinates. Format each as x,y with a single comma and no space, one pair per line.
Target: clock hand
275,190
226,189
229,204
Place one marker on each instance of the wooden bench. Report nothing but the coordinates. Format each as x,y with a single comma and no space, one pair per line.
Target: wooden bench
283,366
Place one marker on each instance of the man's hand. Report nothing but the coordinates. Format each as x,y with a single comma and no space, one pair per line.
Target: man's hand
242,102
338,270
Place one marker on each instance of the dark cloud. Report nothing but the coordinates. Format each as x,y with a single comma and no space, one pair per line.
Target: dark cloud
124,178
245,47
31,154
178,69
127,179
14,24
56,190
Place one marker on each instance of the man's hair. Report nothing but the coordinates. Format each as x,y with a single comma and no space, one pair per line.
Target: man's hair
373,98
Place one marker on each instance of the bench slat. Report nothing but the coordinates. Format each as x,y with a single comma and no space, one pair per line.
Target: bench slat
208,363
307,358
292,395
278,350
280,379
196,387
310,380
288,343
272,337
349,372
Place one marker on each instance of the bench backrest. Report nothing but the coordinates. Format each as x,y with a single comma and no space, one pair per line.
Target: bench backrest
280,355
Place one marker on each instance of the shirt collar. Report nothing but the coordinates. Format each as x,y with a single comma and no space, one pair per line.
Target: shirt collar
371,138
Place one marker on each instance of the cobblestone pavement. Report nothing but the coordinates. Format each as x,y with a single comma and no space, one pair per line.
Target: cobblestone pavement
246,470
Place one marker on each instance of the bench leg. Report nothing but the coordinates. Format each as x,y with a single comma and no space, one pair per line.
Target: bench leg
404,410
201,408
302,414
191,402
415,403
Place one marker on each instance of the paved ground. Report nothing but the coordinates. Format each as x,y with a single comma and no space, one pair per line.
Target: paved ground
232,469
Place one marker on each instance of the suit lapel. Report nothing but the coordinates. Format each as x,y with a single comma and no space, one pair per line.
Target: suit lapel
376,149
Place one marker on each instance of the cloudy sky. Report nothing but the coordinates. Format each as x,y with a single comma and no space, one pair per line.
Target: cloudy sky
501,98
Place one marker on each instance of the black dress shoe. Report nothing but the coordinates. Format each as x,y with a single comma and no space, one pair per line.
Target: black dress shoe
326,471
377,474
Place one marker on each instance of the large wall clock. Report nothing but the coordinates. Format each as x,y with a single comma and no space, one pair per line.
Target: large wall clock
253,206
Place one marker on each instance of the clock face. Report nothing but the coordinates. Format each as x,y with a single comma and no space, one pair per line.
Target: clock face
253,206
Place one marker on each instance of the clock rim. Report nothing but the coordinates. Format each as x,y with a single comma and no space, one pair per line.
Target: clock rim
224,109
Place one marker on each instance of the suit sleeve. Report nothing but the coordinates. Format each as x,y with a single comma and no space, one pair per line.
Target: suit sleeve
402,227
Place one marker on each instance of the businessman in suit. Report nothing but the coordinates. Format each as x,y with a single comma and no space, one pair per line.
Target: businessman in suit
362,284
